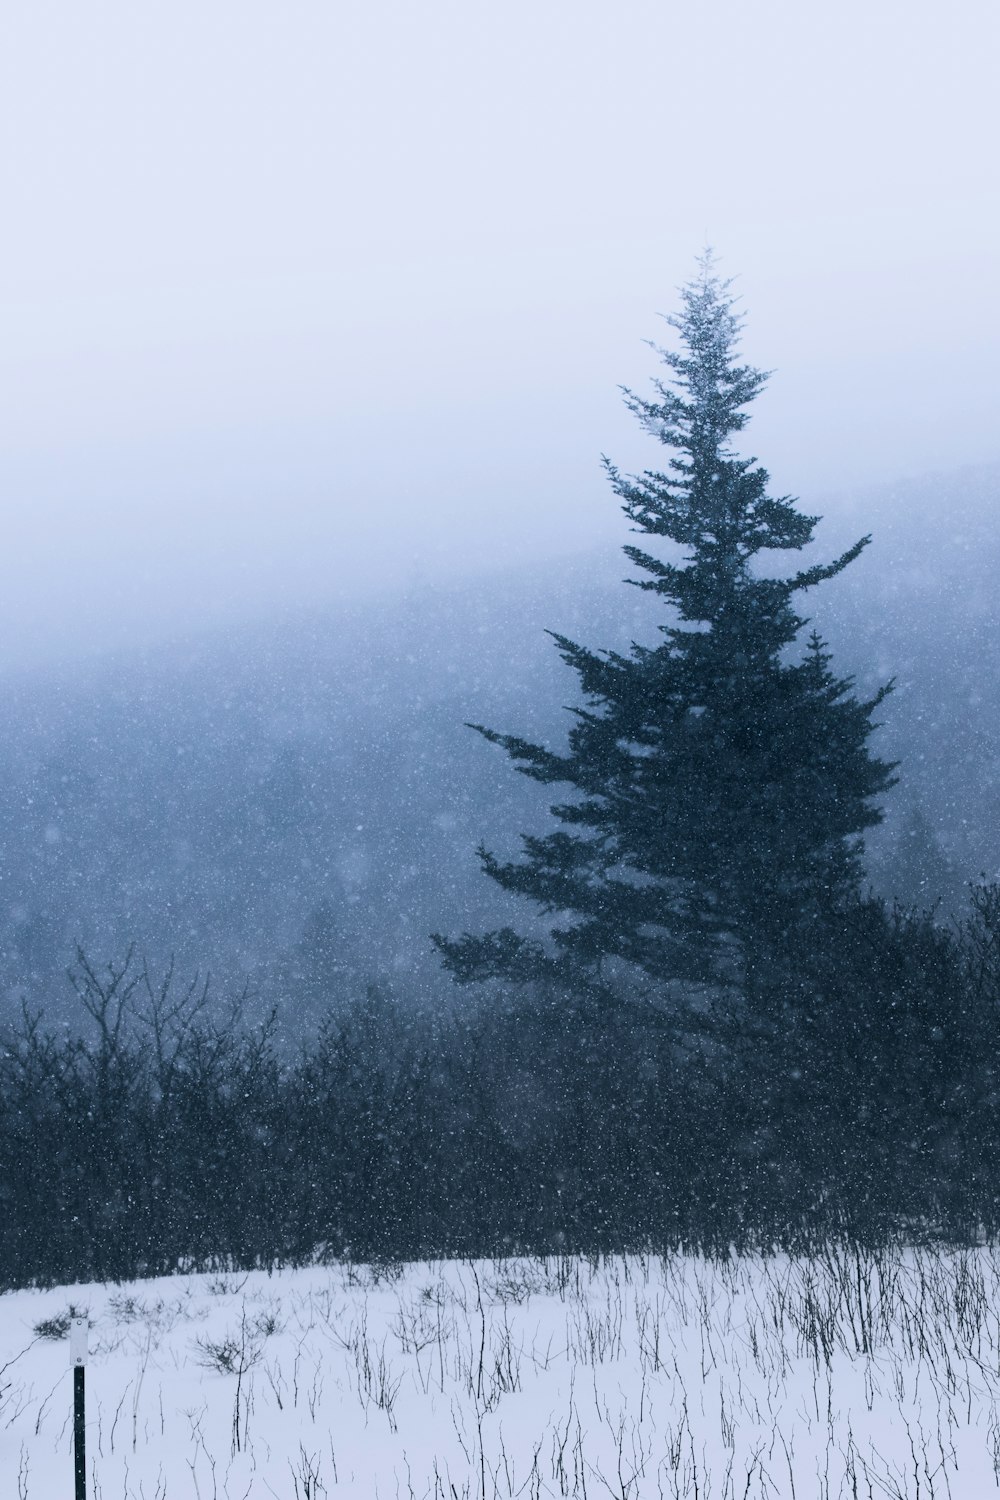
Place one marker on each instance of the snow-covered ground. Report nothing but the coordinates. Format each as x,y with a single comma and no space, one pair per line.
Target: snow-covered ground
629,1378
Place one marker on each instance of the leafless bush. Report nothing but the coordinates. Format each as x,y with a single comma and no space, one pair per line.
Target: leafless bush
233,1353
58,1325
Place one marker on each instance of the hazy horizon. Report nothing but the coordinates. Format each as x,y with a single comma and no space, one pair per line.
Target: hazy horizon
339,303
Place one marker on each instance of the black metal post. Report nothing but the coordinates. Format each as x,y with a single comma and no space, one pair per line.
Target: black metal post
79,1431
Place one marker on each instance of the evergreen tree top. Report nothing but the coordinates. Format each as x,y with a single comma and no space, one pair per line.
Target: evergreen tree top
709,499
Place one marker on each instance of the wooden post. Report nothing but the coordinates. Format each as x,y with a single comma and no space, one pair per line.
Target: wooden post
78,1359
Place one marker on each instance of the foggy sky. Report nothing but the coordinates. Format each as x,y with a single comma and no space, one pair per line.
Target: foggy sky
306,299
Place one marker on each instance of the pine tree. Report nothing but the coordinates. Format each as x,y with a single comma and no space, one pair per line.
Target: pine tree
719,789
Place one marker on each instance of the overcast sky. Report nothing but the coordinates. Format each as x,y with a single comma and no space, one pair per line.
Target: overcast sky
307,298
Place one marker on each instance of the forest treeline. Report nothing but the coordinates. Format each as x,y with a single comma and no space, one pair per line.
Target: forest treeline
862,1104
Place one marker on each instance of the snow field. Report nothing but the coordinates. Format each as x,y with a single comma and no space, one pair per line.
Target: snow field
844,1375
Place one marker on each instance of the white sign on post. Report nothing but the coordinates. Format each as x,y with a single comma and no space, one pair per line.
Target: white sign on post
78,1342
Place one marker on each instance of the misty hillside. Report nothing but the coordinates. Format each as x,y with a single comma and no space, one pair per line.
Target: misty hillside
298,806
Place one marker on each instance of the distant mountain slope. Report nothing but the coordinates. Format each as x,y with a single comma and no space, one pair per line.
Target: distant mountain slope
299,806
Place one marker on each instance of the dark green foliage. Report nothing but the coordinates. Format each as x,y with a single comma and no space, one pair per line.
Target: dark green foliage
719,789
861,1103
